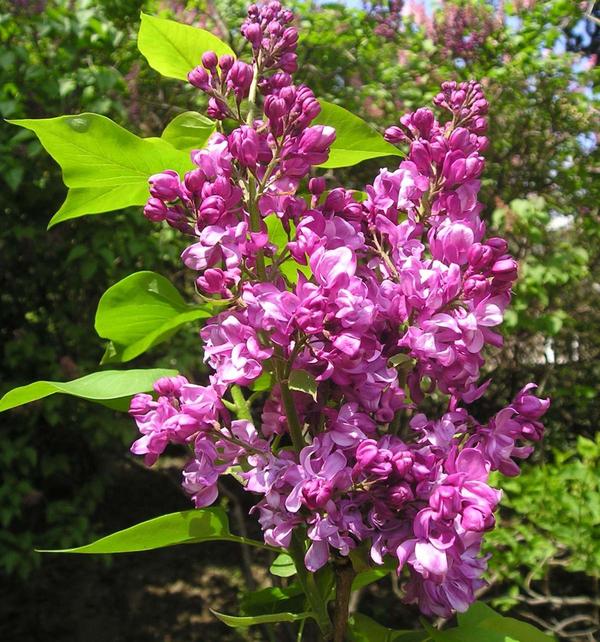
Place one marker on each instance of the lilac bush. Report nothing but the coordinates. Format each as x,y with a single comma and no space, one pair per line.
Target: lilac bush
391,300
345,331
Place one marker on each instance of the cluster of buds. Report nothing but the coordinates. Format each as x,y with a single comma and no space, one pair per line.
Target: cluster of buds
380,303
273,40
220,78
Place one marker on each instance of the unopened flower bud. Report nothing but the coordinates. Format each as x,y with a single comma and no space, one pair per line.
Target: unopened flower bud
165,185
199,78
253,33
316,186
244,145
395,135
226,62
155,210
505,269
209,59
240,78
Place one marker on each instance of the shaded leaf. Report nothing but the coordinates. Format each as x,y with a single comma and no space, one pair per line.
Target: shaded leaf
303,381
245,621
363,629
273,600
368,577
478,611
283,566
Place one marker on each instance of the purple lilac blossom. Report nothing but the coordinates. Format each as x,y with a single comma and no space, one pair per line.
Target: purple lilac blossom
398,298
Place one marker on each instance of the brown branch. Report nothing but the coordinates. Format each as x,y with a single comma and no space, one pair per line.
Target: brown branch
344,574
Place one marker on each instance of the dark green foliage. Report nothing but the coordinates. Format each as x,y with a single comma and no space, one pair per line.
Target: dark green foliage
55,457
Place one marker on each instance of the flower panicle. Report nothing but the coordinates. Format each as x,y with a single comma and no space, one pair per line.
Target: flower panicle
396,298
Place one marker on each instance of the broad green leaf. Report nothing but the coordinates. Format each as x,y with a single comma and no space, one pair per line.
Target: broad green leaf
513,629
283,566
478,611
480,625
174,49
140,312
273,600
303,381
470,634
480,617
368,577
107,386
106,166
186,527
355,140
84,201
237,622
363,629
189,130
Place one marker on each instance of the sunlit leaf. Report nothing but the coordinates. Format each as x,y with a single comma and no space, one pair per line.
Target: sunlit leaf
140,312
185,527
283,566
174,49
106,166
189,130
106,386
355,140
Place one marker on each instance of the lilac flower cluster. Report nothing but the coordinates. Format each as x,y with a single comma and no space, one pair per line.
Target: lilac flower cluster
390,301
461,27
458,27
389,16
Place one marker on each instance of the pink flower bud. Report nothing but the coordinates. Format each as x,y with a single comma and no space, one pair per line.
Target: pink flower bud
459,138
479,256
395,135
505,269
244,145
210,60
155,210
194,180
239,78
199,78
316,186
423,120
165,185
498,245
226,62
253,33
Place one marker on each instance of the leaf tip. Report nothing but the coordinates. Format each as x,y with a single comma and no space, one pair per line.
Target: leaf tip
52,222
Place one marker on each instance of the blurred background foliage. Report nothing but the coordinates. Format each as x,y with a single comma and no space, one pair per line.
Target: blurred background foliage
538,62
